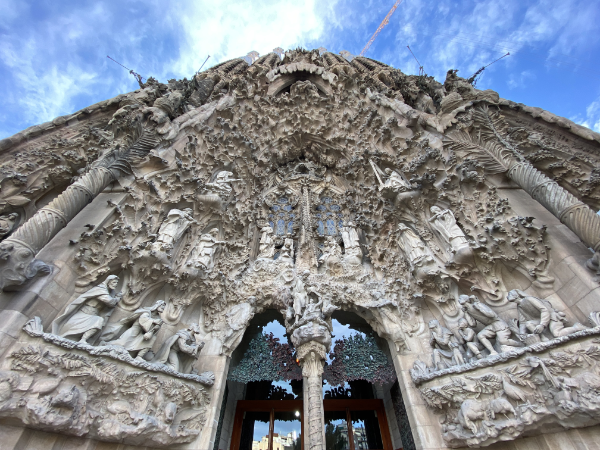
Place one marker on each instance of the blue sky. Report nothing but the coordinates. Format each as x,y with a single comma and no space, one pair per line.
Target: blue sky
53,53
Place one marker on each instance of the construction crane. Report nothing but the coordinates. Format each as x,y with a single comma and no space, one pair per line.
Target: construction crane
381,26
475,77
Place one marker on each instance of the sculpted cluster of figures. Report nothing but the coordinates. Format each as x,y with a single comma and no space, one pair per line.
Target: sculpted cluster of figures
482,332
85,320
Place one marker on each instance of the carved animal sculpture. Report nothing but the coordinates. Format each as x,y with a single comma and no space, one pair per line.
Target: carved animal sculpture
475,410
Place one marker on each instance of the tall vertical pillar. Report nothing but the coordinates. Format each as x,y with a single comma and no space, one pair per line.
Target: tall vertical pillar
312,359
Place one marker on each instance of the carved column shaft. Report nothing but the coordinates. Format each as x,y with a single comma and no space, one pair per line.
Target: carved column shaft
306,252
580,219
312,359
48,221
17,263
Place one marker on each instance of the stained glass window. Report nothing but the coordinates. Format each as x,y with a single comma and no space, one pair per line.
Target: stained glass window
329,219
280,218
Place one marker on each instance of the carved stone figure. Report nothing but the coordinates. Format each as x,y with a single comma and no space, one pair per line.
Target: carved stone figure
7,223
181,350
445,347
537,315
412,245
393,180
421,260
299,295
468,337
202,256
136,333
287,251
494,326
237,319
312,314
352,250
266,248
387,322
173,227
332,255
445,224
88,313
221,185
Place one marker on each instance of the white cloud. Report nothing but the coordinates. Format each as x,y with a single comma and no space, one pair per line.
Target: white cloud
43,92
592,116
225,32
520,80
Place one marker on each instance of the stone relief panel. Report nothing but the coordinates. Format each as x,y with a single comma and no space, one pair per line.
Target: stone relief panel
70,392
546,387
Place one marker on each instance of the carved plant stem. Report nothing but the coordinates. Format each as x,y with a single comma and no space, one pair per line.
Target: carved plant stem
20,248
576,215
312,356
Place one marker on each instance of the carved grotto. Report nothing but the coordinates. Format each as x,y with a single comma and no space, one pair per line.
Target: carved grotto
150,242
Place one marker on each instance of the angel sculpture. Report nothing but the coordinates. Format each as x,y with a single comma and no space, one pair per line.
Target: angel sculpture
393,180
221,184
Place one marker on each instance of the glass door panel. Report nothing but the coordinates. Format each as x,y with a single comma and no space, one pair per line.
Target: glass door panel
287,430
255,431
356,425
336,431
365,430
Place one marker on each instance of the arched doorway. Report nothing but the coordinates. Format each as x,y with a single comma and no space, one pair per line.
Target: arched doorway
266,412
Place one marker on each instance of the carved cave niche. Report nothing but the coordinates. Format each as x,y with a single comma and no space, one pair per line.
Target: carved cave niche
283,84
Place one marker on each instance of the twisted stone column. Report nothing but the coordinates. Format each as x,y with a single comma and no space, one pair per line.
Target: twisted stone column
576,215
17,252
312,360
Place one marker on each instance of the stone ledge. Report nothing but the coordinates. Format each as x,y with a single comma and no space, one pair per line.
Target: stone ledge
119,354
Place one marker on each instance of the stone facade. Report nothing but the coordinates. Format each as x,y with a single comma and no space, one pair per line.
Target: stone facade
141,235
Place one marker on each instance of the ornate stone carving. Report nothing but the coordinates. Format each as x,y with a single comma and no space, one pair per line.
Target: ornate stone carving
73,394
445,347
180,351
524,396
7,223
267,244
136,333
536,315
493,325
237,318
202,256
171,230
87,315
445,224
18,250
303,228
34,329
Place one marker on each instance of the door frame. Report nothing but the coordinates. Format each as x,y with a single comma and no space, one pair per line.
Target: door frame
270,406
273,406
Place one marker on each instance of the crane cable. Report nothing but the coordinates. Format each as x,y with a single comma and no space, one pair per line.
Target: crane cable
381,26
